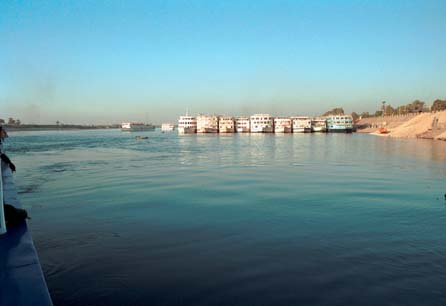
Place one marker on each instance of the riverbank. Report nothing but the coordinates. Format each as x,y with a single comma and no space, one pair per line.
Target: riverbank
424,125
50,127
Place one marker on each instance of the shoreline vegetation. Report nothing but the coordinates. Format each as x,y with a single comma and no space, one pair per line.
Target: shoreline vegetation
413,120
427,125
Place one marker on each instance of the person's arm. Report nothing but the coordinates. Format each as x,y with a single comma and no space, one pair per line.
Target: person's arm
6,159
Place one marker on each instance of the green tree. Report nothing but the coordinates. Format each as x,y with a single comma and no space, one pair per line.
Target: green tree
402,110
389,110
11,121
355,116
416,106
365,115
378,113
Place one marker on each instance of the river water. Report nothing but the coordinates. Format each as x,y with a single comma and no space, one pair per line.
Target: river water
245,219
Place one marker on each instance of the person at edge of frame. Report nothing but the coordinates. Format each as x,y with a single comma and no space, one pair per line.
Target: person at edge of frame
13,216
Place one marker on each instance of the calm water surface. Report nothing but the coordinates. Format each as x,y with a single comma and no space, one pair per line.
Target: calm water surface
235,219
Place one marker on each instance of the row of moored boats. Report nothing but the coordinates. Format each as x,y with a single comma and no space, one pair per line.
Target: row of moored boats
258,123
264,123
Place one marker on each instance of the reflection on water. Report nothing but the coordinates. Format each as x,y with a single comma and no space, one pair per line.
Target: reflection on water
236,219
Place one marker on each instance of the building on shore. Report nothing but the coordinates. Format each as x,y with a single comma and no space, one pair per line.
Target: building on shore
319,124
301,124
261,123
207,124
242,125
340,124
226,125
283,125
187,125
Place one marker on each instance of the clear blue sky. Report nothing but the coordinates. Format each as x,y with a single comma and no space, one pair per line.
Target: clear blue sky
111,61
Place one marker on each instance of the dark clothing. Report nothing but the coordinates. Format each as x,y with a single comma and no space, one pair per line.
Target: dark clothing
6,160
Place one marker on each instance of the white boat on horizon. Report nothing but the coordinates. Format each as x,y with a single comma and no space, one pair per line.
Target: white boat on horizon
301,124
226,125
282,125
262,123
319,124
242,125
340,124
207,124
167,127
136,127
187,125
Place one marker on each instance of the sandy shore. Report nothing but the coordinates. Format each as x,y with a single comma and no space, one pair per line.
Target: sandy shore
424,125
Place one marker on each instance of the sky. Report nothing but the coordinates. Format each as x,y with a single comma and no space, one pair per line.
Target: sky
100,62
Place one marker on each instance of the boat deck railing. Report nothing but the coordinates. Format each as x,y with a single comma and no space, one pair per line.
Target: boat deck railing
21,278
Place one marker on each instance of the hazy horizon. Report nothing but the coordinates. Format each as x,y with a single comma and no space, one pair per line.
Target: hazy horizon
108,62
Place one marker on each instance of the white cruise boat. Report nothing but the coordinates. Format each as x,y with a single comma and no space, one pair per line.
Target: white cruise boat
319,124
187,125
207,124
262,123
340,124
167,127
242,125
136,127
301,125
282,125
226,125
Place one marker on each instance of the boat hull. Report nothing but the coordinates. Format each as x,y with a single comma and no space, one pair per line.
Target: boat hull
187,130
302,130
207,131
283,130
263,130
341,130
242,130
319,129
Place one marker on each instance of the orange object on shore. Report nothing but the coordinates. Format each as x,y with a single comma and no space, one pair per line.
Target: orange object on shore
383,130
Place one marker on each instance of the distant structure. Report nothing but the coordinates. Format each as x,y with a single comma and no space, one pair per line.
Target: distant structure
340,124
318,124
242,125
167,127
207,124
187,125
301,124
283,125
262,123
226,125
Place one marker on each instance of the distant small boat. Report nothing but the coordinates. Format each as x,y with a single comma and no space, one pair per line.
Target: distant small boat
167,127
141,137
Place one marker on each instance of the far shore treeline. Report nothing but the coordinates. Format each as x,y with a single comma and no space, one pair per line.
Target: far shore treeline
414,107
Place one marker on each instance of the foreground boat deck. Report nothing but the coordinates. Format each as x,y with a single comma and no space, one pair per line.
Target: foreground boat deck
21,278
